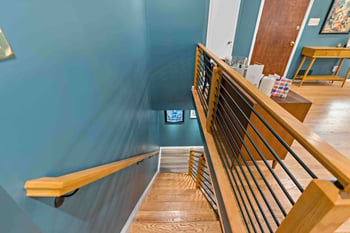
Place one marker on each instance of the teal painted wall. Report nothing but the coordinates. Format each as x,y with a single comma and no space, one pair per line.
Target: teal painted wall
13,215
248,14
76,96
174,28
184,134
311,37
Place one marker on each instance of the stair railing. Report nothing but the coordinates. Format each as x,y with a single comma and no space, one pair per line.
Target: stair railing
199,171
244,130
61,186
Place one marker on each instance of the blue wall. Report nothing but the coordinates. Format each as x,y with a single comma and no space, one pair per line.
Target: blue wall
13,215
184,134
174,28
248,14
311,37
76,96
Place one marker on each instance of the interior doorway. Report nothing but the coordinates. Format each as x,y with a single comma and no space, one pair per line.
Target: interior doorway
279,27
222,23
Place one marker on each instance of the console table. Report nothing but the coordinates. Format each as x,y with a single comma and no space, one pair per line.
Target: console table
323,52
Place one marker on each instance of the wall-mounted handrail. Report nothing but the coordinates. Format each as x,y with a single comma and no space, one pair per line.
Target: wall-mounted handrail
61,185
329,157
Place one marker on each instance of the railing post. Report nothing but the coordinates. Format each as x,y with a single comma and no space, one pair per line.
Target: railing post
321,208
213,97
190,163
201,164
197,68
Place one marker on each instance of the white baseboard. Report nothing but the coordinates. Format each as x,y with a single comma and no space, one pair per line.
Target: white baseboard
130,220
181,147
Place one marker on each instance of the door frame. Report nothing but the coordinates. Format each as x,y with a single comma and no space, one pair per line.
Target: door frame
210,23
303,24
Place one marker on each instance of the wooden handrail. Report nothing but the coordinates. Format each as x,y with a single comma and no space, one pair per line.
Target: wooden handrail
197,151
58,186
330,158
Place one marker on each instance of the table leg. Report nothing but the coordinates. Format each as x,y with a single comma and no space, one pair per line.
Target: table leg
346,77
307,71
274,164
339,66
301,65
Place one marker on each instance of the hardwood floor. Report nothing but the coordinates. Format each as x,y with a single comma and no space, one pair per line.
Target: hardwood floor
329,117
173,204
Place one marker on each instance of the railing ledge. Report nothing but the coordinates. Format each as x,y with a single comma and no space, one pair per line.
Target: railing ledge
61,185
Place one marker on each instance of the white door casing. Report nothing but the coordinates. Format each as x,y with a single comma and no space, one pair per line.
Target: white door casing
222,24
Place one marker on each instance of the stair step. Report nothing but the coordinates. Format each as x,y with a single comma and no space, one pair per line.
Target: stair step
195,227
196,196
173,191
156,206
173,204
175,216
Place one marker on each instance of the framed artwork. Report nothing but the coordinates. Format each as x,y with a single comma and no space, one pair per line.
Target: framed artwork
5,48
174,116
193,114
338,18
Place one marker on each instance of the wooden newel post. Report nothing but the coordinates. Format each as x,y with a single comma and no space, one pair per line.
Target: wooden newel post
321,208
190,164
201,164
213,96
197,68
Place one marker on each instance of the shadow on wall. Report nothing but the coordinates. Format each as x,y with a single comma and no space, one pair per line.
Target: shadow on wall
12,218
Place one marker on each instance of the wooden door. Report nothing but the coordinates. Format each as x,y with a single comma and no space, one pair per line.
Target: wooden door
278,30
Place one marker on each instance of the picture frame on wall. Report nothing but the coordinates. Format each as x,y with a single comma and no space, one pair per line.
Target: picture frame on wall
174,116
5,48
338,18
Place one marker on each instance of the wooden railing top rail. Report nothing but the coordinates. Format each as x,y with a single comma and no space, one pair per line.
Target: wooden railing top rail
58,186
328,156
197,151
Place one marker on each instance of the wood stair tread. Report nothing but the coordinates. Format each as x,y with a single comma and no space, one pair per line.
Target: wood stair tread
194,227
175,216
156,205
173,204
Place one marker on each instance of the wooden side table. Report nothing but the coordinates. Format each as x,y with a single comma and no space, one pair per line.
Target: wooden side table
323,52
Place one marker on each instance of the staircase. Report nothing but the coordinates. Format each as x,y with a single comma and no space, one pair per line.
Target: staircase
173,204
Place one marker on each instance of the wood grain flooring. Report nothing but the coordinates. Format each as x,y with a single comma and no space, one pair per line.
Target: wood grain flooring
329,117
173,204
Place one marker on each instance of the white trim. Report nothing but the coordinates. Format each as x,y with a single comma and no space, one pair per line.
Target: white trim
307,14
209,20
235,28
181,147
131,217
262,3
159,157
